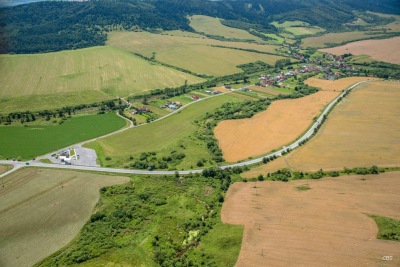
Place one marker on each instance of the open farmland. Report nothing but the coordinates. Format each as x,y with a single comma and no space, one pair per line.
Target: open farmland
43,210
334,38
327,225
213,26
280,124
362,131
268,90
384,50
175,132
98,71
5,168
195,54
35,140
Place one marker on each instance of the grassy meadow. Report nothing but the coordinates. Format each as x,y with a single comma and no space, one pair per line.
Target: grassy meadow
42,210
213,26
156,221
95,73
32,141
174,133
298,27
195,54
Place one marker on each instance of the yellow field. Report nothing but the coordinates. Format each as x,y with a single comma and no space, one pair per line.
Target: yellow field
362,131
372,48
42,210
107,70
327,225
5,168
213,26
321,41
195,54
280,124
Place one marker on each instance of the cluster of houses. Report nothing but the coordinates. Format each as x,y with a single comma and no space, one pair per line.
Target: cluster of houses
328,71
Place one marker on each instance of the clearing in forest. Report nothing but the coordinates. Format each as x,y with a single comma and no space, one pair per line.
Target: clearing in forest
42,210
327,225
372,48
362,131
213,26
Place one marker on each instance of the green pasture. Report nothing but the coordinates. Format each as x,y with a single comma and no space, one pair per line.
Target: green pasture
174,133
29,142
51,101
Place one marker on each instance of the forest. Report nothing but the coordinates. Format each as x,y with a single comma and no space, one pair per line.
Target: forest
58,25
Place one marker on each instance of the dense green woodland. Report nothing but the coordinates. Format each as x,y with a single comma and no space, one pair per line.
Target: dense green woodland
59,25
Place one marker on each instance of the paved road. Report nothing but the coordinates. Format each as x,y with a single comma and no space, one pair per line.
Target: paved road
308,134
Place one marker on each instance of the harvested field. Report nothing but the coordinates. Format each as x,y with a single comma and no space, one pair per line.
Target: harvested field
334,38
43,210
195,54
362,131
5,168
280,124
267,90
372,48
327,225
108,69
336,85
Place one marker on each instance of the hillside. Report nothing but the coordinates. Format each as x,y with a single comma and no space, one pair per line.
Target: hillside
59,25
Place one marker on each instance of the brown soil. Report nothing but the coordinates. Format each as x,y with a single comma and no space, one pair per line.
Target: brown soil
327,225
362,131
384,50
221,89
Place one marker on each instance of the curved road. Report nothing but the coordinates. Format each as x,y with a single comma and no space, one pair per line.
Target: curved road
17,165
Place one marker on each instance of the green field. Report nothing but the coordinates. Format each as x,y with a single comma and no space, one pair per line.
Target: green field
156,221
174,133
32,141
195,54
93,73
389,229
298,27
213,26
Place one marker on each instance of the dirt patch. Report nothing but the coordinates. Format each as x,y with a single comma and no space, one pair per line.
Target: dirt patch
43,210
384,50
327,225
5,168
362,131
267,90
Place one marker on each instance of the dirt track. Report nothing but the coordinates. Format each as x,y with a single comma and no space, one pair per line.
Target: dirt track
324,226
